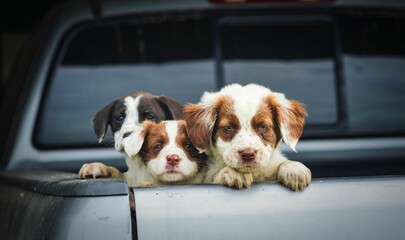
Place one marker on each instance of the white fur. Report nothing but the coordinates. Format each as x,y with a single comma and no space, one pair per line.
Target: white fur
209,98
268,160
155,171
266,172
133,143
246,102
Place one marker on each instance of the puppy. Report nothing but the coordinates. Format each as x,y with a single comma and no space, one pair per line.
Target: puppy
162,154
125,115
240,128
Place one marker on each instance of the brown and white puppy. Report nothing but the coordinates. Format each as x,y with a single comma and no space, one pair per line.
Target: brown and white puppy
163,154
125,115
240,128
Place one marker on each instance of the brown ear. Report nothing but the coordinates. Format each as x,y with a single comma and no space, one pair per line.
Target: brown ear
100,121
290,117
200,123
172,109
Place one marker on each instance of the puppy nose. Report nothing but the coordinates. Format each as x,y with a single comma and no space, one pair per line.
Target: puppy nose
172,159
248,154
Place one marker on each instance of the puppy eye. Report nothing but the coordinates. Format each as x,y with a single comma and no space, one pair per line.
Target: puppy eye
188,146
263,127
228,129
120,117
158,146
126,134
150,117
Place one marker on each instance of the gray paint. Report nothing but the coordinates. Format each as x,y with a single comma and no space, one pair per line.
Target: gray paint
357,208
94,218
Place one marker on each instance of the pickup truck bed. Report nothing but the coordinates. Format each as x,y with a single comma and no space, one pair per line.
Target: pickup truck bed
344,59
345,208
72,208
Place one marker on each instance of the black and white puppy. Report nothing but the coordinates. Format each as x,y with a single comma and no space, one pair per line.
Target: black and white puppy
162,154
125,115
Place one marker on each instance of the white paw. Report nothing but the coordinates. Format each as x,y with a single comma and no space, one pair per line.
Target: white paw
294,175
145,184
94,170
233,178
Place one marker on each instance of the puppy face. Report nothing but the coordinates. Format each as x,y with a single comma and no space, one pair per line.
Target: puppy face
125,115
243,125
168,153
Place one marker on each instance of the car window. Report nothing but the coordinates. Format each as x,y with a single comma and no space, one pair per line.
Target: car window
376,93
374,73
348,91
106,61
292,57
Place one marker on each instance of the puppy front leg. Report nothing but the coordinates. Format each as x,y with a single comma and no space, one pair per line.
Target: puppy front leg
233,178
294,175
98,169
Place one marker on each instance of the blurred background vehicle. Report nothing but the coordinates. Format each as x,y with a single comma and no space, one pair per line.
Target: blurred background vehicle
344,59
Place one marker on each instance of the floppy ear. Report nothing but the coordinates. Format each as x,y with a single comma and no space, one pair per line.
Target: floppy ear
133,143
172,109
200,123
100,121
290,117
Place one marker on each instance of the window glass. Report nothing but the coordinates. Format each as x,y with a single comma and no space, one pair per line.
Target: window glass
375,93
296,59
174,56
374,72
104,62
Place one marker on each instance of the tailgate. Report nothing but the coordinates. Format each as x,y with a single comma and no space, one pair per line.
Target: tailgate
353,208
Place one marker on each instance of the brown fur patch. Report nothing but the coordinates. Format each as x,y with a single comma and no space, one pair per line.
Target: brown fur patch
183,141
155,134
158,108
292,118
227,125
297,119
200,121
264,124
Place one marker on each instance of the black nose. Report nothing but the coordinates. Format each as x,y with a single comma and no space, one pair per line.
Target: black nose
247,154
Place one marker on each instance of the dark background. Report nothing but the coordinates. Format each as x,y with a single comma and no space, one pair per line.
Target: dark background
19,20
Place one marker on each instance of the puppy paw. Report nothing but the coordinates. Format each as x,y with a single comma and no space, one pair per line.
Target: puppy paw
145,184
140,184
94,170
233,178
294,175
